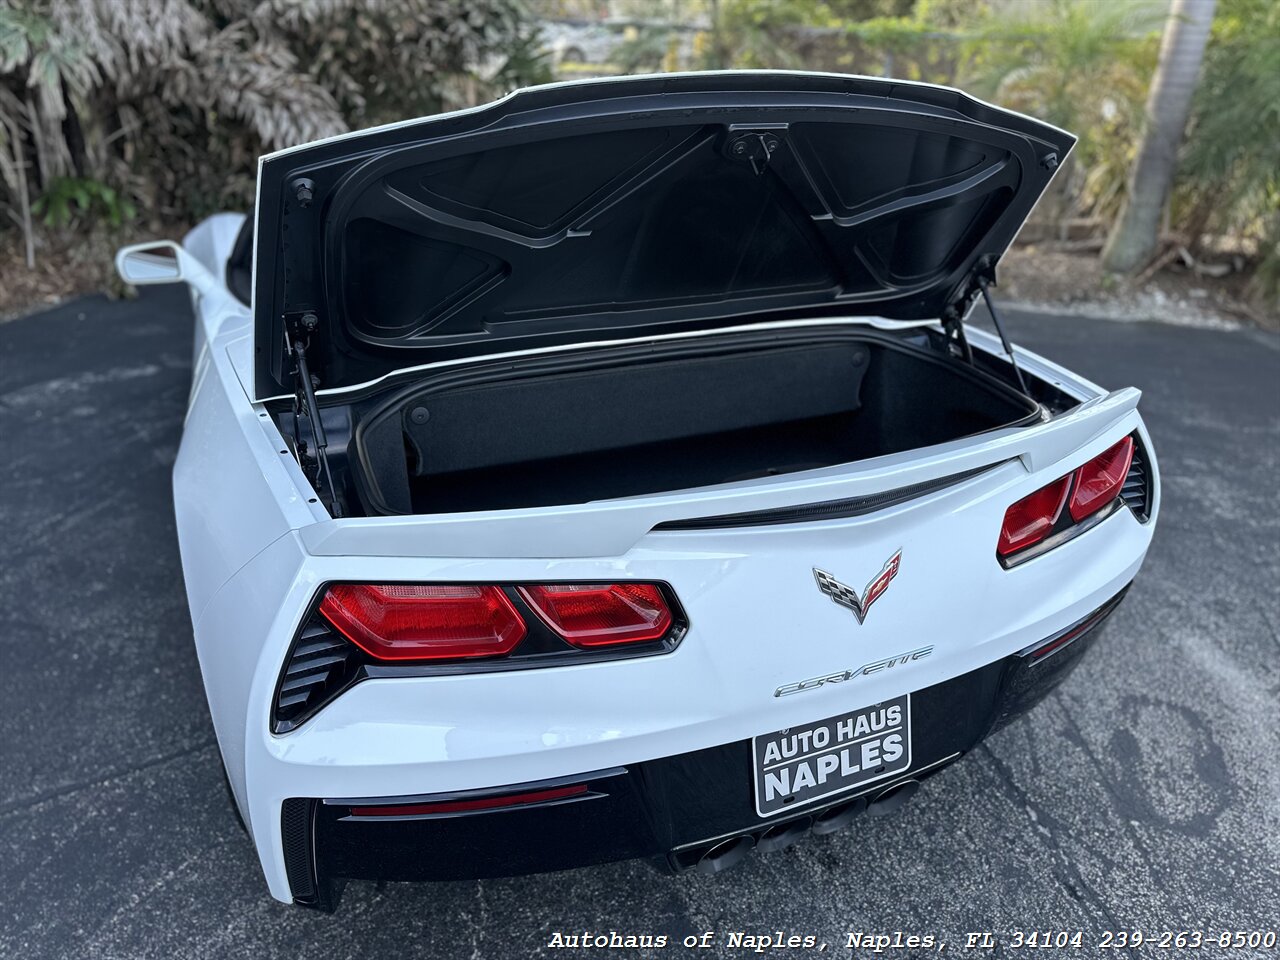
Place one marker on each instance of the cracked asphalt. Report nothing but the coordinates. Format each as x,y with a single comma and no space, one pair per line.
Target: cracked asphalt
1145,794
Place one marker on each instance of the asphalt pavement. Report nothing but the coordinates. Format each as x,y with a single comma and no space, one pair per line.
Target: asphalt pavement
1143,795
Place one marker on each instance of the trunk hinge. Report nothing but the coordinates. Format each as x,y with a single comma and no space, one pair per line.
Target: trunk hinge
315,466
984,276
953,326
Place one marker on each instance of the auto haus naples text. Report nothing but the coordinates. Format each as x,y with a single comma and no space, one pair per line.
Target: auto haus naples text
850,745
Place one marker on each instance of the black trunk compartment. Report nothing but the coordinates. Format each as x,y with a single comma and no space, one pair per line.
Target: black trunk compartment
603,424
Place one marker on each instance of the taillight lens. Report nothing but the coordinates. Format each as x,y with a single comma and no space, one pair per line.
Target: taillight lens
1031,519
601,614
1099,481
411,622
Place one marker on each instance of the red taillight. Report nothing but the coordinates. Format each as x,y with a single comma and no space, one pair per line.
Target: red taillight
602,614
1099,481
408,622
1032,518
478,803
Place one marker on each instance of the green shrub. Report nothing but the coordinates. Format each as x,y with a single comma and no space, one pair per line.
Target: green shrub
67,200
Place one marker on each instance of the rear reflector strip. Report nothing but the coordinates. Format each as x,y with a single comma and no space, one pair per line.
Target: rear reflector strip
1043,650
472,805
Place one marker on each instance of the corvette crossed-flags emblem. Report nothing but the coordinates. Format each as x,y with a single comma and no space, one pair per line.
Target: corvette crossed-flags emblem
846,596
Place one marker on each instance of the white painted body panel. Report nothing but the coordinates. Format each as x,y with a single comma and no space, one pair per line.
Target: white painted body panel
256,548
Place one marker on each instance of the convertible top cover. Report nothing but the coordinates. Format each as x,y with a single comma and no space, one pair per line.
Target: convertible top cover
589,211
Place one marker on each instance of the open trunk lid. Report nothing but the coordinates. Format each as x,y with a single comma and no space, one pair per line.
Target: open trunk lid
588,211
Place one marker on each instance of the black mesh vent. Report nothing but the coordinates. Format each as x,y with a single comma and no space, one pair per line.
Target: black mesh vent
321,665
295,830
1136,492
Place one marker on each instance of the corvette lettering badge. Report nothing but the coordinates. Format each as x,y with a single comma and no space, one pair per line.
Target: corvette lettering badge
846,596
866,670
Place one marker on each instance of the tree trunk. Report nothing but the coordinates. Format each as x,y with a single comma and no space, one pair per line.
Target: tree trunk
73,133
1133,239
24,195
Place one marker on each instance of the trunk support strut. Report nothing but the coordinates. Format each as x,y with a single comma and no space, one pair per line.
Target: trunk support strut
305,397
953,319
983,284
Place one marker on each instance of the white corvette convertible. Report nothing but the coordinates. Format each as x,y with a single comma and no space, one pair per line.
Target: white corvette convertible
610,472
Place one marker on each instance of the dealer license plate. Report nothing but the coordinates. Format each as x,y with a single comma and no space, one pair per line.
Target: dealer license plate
798,766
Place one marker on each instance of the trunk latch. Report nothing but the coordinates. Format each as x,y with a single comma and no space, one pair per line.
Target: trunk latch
754,146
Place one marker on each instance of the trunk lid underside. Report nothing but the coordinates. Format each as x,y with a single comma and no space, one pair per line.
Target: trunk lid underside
610,209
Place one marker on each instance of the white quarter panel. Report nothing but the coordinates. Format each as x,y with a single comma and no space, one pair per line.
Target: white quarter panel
234,489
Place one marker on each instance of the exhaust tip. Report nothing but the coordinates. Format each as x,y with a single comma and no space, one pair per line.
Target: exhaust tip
782,835
726,854
893,799
837,818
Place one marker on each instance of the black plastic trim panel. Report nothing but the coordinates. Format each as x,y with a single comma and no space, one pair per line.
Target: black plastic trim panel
1036,671
827,510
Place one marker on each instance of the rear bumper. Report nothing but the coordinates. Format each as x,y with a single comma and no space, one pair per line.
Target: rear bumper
673,810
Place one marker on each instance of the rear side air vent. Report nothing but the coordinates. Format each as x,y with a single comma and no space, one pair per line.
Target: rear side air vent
321,665
1136,492
295,832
